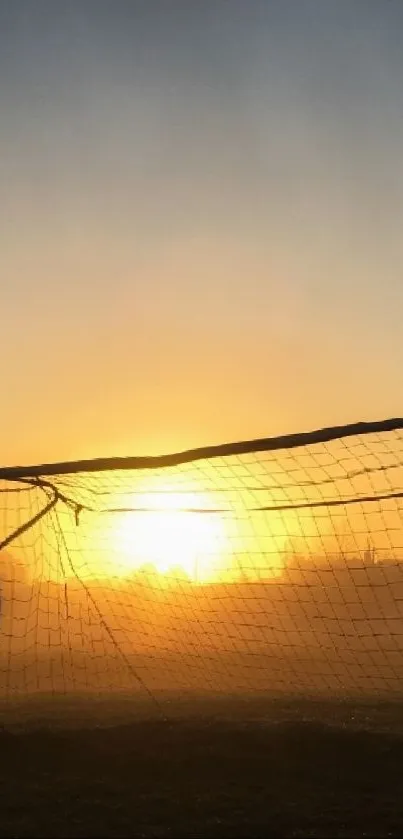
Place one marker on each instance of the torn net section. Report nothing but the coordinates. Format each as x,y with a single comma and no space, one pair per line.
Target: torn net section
273,572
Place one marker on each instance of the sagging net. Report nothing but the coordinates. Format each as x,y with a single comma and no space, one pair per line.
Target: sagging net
267,568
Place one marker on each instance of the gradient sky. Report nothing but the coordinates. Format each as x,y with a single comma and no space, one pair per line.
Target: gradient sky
201,221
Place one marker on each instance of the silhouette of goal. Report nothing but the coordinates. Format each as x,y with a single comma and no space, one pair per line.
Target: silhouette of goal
263,568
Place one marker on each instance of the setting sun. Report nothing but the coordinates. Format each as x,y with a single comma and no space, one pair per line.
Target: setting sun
177,530
172,533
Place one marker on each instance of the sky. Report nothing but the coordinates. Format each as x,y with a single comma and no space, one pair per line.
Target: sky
201,221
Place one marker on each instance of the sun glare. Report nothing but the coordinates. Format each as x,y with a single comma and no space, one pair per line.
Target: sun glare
186,532
172,533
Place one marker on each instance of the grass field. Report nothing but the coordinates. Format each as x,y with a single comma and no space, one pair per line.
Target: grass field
219,769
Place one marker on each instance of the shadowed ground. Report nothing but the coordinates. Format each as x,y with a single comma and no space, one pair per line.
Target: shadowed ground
307,770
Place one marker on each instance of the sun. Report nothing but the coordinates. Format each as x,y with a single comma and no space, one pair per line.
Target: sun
172,532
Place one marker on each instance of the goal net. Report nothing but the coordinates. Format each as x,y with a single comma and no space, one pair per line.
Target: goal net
265,568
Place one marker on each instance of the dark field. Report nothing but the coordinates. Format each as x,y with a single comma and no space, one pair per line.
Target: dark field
219,769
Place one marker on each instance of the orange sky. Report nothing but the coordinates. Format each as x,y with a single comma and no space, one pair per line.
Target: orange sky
200,226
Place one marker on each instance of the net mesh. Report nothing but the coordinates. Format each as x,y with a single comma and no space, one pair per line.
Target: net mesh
254,569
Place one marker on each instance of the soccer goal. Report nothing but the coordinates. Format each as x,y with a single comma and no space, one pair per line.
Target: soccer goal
262,568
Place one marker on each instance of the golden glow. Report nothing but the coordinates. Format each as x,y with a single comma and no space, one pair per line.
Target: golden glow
179,529
167,533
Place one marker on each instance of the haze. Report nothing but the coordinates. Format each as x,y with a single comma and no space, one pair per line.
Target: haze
200,224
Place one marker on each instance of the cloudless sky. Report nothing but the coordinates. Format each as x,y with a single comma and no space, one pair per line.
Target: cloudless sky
201,221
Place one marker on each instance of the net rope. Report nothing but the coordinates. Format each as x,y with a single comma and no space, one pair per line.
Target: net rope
270,567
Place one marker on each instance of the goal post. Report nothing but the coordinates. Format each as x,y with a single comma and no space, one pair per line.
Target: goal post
261,568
